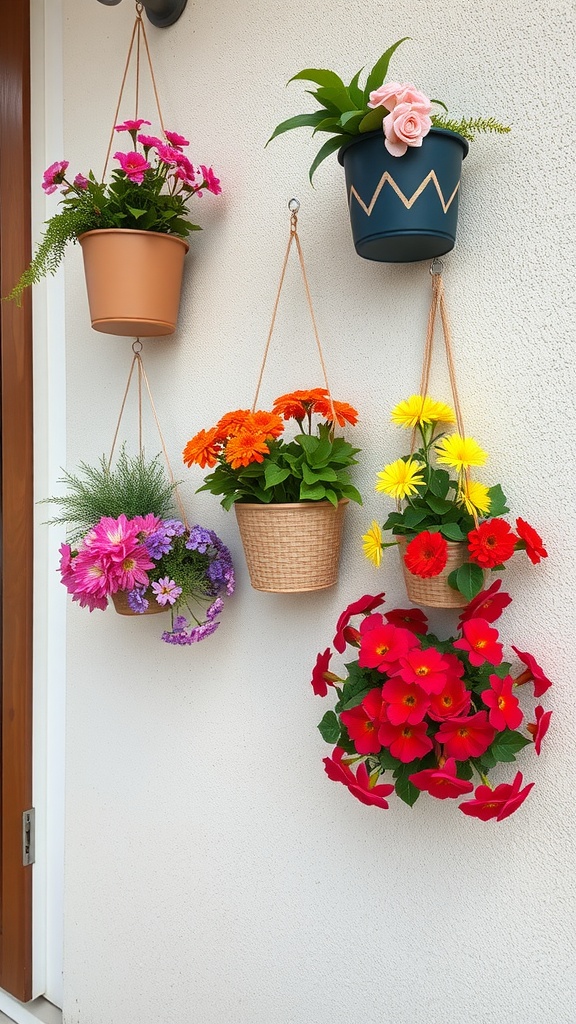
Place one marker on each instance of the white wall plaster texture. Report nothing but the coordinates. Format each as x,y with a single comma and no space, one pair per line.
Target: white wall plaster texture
213,874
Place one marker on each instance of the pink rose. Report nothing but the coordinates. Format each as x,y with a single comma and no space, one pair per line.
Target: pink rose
405,126
393,93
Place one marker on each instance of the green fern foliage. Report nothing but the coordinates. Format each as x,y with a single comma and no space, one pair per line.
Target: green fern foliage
135,487
469,127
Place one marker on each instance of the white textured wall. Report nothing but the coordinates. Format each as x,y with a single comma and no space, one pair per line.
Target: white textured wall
213,874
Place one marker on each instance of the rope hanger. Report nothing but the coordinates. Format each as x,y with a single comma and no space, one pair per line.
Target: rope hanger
294,207
138,33
142,376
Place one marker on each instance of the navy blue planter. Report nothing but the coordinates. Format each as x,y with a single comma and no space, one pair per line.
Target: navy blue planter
403,209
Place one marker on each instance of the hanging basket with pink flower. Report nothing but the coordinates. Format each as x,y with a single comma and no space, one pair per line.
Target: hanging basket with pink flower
132,228
414,713
402,157
449,527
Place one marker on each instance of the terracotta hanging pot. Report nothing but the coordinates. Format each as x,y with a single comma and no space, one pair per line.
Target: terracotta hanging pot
403,209
133,280
435,591
291,548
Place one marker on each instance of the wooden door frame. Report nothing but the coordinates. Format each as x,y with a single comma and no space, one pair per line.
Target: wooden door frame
16,513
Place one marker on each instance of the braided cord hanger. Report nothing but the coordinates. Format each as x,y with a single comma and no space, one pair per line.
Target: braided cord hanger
294,206
138,33
438,304
142,376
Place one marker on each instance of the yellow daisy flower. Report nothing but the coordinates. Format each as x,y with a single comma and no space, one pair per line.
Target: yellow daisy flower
400,478
460,452
420,409
372,544
475,497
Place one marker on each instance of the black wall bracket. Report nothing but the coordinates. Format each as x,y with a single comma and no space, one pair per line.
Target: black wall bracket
161,13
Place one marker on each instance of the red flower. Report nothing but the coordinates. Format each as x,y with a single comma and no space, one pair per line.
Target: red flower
426,555
382,645
363,604
453,701
466,736
406,742
530,540
362,723
480,643
533,671
487,605
442,782
359,785
406,702
426,668
319,671
491,543
504,708
413,619
540,727
497,803
370,794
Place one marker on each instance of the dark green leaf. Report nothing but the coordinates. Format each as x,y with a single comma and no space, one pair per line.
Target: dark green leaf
498,506
329,124
468,579
380,70
336,97
329,727
356,94
412,517
356,699
315,492
274,474
329,147
406,790
372,120
300,121
507,744
439,482
321,77
452,531
438,505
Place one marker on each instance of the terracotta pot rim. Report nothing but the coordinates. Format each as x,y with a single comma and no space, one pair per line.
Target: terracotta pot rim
134,231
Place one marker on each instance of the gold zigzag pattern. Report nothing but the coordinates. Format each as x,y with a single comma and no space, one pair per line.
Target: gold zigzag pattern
408,203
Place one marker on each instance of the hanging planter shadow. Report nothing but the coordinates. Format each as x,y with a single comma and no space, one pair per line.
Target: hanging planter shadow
403,209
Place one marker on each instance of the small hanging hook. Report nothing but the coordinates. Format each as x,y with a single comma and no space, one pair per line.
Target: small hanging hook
437,266
293,206
136,346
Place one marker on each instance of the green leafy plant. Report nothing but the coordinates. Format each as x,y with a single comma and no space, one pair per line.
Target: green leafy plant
251,462
350,110
149,192
136,486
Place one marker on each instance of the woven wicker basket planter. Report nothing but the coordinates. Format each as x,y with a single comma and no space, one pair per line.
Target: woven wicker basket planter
120,602
436,592
291,548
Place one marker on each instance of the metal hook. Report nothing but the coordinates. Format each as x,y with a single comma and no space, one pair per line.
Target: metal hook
436,267
137,346
294,205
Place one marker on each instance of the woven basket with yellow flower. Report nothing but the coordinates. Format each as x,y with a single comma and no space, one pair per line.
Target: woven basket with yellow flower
449,527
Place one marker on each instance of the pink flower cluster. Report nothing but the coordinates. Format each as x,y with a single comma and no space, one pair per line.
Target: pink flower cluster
434,711
408,120
170,158
111,557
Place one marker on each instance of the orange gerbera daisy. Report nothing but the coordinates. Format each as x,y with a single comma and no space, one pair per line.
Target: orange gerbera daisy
231,423
344,413
266,423
297,404
204,449
245,447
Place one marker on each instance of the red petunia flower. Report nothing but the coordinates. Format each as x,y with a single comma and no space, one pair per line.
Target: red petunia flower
531,541
426,555
442,782
360,784
363,604
492,543
540,727
533,671
497,803
453,701
505,710
466,736
406,742
426,668
319,680
363,722
383,645
413,619
405,702
487,605
479,641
